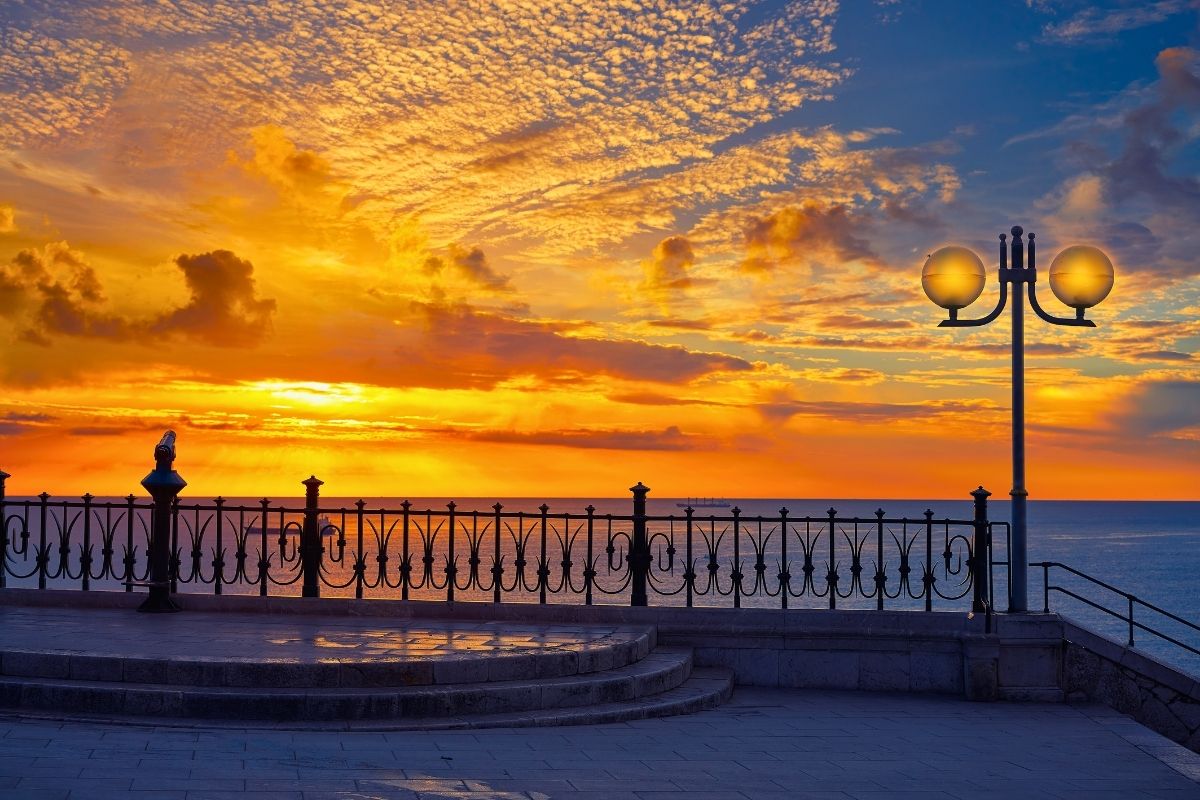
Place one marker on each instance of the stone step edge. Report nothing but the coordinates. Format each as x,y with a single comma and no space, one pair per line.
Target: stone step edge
611,652
661,670
706,688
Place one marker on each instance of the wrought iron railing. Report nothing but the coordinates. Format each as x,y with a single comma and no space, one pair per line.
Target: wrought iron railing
1129,604
491,554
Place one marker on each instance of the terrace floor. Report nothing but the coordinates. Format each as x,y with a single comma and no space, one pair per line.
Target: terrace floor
282,638
763,744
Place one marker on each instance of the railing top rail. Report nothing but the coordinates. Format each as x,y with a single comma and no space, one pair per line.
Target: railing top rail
623,517
296,506
1127,595
70,502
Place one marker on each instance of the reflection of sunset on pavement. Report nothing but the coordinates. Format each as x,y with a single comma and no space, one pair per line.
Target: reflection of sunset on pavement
555,248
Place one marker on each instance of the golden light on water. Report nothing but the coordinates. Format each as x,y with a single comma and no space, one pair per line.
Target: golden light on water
953,277
1081,276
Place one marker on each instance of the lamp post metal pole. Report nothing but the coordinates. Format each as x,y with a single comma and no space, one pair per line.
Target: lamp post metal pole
1017,557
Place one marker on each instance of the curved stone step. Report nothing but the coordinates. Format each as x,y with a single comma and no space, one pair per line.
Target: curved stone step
705,688
319,653
660,671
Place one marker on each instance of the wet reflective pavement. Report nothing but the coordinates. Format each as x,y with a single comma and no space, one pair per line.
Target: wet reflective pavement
291,638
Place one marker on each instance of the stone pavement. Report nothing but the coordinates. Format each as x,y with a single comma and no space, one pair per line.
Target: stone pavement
765,743
282,638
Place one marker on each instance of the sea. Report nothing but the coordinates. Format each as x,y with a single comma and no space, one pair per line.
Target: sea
1147,550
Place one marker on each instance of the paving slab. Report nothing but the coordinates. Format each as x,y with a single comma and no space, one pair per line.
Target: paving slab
763,744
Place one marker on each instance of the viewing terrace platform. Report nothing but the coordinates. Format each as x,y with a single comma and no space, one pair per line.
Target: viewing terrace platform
371,652
106,726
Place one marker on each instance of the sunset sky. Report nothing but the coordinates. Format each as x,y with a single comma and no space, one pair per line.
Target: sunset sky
552,248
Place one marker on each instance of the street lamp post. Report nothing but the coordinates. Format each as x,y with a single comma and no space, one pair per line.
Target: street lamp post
1080,276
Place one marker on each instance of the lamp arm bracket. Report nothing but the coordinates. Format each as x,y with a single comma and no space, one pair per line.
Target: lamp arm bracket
1025,275
955,322
1076,322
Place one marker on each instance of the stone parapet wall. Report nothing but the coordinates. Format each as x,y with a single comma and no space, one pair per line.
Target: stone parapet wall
1158,696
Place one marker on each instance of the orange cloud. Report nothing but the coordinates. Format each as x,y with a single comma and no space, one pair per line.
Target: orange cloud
457,345
472,266
55,292
803,234
668,266
224,309
672,438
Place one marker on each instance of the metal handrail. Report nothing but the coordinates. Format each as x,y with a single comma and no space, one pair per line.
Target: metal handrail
1131,602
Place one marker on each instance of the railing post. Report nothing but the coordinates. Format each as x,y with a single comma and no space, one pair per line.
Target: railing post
498,567
1046,587
451,559
85,553
43,546
3,530
264,552
130,561
928,579
174,562
831,577
543,570
785,571
1130,598
405,562
689,574
980,556
218,563
589,570
880,575
736,574
310,539
164,485
360,564
639,551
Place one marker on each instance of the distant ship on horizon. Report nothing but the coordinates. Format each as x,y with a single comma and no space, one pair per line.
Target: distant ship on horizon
704,502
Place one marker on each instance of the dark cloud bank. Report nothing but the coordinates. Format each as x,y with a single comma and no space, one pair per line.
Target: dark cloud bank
55,292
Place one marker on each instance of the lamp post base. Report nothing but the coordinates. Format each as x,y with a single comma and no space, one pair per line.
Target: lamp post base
159,603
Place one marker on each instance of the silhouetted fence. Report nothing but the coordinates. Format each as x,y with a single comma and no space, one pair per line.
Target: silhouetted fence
492,554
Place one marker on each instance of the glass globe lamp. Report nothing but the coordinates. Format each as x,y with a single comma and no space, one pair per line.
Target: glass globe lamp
1081,276
953,277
